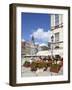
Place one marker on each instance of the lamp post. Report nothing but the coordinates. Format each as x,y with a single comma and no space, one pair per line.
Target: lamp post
52,39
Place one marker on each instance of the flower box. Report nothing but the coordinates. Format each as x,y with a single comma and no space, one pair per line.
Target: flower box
55,68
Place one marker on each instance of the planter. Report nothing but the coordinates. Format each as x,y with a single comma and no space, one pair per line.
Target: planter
38,65
33,69
55,68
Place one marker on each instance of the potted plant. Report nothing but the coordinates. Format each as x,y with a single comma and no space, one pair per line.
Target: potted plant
33,66
26,64
55,68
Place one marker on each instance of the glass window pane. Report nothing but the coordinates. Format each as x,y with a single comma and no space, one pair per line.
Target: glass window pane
56,19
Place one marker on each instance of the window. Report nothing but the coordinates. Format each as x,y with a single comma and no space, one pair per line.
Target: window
56,37
56,20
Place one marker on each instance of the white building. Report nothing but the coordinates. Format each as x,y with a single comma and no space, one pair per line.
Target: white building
57,29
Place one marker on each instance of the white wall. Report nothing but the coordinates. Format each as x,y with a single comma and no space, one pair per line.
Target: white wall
4,45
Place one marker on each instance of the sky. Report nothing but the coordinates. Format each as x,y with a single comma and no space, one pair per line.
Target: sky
37,25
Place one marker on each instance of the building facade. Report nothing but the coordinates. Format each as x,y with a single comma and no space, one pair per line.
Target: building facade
57,30
28,48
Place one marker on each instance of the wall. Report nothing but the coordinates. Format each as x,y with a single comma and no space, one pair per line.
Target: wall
4,45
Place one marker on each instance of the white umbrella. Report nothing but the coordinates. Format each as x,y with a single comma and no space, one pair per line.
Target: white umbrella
48,52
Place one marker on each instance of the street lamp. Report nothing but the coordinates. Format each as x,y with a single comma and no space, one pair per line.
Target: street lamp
52,39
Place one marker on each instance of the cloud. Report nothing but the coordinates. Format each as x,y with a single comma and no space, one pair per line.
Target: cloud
23,40
41,34
43,44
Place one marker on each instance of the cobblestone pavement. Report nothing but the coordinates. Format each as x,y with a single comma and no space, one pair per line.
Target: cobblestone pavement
26,72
